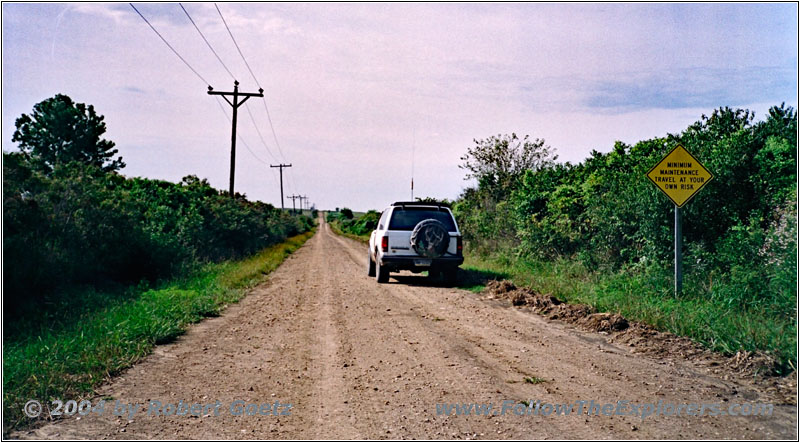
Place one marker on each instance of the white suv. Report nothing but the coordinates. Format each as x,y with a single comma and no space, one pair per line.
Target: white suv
415,236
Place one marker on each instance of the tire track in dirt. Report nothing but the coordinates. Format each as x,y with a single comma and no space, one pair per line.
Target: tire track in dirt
436,354
329,389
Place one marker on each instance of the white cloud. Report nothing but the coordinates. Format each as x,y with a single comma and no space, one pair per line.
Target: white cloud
112,11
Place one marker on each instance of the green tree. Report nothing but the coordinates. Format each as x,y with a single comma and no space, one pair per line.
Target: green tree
499,164
59,131
499,161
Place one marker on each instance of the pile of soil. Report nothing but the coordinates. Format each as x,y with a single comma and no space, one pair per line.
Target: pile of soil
543,304
647,340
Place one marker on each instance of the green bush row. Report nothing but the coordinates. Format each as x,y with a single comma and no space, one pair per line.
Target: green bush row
348,223
78,224
739,231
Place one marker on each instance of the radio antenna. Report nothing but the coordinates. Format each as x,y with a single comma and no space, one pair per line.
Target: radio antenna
413,148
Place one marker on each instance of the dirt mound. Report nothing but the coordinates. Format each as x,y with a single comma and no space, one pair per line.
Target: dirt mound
551,307
649,340
499,287
746,361
645,339
605,322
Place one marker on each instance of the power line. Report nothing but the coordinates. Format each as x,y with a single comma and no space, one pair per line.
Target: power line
290,181
169,46
241,139
266,108
259,132
239,136
258,83
206,40
272,127
261,137
237,45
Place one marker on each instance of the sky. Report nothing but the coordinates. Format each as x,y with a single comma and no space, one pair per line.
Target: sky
360,95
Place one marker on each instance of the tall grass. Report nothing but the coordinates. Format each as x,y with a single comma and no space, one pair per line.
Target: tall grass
66,356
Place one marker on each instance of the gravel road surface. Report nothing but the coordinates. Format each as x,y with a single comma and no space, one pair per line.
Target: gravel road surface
361,360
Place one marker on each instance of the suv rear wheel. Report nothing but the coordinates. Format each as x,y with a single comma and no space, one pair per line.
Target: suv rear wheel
381,273
370,266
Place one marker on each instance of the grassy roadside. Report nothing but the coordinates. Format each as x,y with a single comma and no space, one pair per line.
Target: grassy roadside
337,229
66,359
648,298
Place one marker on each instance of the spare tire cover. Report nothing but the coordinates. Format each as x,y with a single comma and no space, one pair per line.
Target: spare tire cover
430,238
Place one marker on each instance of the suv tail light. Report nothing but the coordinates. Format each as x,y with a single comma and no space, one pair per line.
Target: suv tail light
459,245
385,243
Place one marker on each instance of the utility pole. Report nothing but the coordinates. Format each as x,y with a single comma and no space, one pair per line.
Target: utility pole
235,104
281,166
294,197
301,202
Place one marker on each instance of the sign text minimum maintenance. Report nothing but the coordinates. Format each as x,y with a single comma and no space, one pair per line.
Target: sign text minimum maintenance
679,175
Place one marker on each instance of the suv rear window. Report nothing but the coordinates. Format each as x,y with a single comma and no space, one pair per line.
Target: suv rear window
404,219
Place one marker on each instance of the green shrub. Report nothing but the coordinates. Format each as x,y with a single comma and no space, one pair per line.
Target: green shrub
78,224
739,232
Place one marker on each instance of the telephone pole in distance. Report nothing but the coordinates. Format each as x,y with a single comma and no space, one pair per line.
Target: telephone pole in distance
235,105
294,197
281,166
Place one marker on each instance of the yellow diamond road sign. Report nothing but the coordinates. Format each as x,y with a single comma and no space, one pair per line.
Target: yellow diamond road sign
679,175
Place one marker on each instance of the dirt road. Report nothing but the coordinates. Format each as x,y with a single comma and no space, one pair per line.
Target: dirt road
361,360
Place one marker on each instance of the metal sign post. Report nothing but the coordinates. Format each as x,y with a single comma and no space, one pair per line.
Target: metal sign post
678,252
680,177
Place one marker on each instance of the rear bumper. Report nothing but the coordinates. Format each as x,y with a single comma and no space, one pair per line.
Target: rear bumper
407,262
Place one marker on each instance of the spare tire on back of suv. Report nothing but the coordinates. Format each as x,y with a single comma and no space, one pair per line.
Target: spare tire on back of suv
430,238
